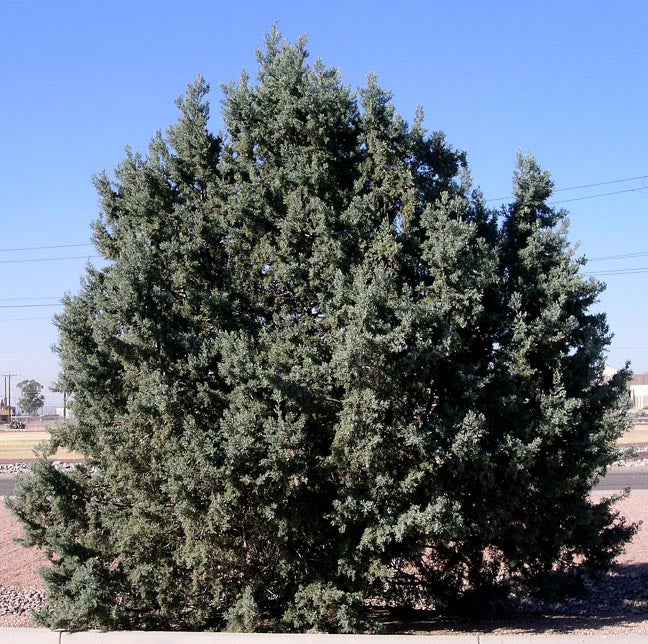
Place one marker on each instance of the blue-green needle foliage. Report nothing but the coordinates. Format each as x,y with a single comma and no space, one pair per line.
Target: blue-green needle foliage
317,372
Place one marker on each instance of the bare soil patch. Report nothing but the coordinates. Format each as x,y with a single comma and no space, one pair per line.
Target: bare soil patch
18,566
636,434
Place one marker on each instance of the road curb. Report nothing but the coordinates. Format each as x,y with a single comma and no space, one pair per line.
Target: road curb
43,636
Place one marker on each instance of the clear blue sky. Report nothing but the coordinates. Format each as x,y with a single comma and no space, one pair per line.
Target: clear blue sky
81,80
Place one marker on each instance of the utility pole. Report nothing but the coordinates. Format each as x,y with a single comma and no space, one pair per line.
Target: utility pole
8,389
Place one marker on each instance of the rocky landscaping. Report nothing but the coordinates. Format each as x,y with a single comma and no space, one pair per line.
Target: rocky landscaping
633,456
21,604
20,466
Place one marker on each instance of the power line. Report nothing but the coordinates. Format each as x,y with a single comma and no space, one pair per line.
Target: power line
587,185
623,256
621,271
46,259
45,317
25,306
8,250
20,299
629,272
603,194
602,183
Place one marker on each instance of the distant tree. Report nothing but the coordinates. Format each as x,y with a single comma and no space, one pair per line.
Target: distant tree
317,372
31,399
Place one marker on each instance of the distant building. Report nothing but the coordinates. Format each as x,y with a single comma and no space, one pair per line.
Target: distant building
64,413
639,390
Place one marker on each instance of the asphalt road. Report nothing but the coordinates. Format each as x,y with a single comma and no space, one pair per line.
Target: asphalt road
7,485
636,478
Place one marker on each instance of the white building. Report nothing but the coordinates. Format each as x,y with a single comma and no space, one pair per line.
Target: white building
639,390
64,413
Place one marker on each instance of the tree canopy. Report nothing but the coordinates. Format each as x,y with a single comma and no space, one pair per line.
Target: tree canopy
318,372
31,399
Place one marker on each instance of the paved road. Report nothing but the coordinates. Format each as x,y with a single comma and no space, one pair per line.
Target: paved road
618,478
7,485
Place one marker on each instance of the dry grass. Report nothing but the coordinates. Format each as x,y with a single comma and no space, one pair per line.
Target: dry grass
20,445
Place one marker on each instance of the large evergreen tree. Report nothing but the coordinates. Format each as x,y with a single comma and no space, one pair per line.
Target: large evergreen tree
315,371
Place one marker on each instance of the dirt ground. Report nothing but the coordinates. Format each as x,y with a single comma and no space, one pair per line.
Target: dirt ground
619,606
637,434
18,566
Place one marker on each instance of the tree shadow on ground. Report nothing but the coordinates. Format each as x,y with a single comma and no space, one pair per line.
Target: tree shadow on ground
618,601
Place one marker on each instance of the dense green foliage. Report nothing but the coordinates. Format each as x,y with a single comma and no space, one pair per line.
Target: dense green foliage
31,399
315,371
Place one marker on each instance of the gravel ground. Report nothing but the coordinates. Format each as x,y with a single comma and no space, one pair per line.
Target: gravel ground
618,605
17,467
633,454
